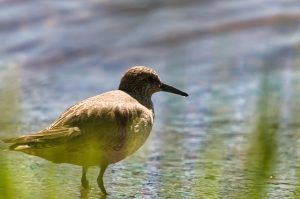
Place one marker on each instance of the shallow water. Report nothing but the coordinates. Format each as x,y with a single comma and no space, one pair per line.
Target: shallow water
57,52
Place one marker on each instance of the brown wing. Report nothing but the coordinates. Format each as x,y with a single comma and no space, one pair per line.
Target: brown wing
105,124
103,119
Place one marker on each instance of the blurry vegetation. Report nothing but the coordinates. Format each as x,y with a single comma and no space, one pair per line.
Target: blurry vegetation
9,93
210,173
9,111
261,154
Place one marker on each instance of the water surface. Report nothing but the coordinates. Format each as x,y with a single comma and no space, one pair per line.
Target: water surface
55,53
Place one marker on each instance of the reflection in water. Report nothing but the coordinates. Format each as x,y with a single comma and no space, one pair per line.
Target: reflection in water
215,50
84,193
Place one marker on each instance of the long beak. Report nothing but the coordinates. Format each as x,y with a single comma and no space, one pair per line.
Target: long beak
171,89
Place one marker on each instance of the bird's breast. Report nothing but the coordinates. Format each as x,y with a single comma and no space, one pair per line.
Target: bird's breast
131,135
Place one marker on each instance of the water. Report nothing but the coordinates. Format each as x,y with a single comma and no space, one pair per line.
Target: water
55,53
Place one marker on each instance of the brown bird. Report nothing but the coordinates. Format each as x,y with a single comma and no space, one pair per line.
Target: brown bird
100,130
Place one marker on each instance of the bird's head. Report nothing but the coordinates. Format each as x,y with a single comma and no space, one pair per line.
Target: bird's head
145,81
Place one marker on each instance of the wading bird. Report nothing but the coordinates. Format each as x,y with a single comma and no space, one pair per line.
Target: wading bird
100,130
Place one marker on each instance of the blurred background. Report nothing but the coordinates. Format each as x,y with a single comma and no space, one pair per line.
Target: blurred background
235,136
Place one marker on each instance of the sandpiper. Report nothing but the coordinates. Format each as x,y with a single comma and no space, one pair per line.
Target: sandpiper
100,130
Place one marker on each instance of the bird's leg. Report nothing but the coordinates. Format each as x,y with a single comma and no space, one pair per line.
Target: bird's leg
84,181
100,178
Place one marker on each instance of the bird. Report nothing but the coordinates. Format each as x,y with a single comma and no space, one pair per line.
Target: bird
100,130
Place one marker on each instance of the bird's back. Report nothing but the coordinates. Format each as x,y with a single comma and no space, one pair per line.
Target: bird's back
104,128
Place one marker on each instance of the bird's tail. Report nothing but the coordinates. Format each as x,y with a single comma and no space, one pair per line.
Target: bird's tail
10,141
43,139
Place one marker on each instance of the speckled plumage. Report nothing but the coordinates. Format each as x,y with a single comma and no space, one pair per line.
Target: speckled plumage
103,129
100,130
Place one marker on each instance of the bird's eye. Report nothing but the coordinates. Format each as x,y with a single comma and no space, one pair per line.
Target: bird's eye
150,79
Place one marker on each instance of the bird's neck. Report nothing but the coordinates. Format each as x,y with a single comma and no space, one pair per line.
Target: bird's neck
144,99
